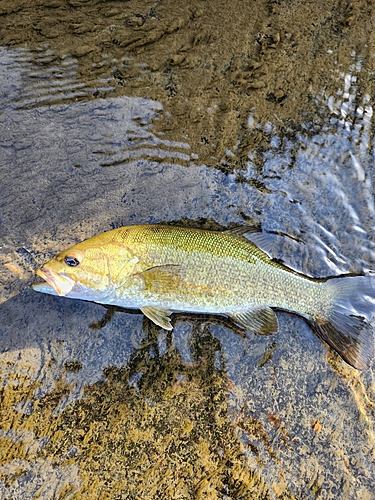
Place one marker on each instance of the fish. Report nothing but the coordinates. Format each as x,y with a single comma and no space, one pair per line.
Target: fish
161,269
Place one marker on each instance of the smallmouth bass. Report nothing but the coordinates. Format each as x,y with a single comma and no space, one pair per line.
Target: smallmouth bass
163,269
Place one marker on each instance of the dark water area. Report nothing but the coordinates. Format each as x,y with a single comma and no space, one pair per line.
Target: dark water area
207,115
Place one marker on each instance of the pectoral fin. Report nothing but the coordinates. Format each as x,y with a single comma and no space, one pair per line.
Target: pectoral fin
158,316
161,278
262,320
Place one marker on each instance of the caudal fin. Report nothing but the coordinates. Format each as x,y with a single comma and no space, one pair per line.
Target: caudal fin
347,329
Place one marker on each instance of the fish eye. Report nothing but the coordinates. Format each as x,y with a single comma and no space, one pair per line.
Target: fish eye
71,261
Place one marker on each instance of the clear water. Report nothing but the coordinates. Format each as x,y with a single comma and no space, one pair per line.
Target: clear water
77,157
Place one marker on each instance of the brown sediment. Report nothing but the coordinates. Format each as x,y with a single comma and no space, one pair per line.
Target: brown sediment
211,64
169,435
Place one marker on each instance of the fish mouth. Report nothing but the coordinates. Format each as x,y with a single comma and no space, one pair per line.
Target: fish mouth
61,284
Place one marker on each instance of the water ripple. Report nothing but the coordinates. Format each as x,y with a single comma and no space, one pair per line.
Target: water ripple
321,185
40,78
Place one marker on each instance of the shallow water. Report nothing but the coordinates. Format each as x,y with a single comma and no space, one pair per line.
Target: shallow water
135,113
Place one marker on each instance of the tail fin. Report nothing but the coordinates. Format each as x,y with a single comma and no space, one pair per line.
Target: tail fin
347,328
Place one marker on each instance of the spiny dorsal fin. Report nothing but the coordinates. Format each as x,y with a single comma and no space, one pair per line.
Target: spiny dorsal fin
158,316
243,230
262,320
254,234
264,240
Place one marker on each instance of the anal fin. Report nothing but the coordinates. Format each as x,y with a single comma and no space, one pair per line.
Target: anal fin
261,320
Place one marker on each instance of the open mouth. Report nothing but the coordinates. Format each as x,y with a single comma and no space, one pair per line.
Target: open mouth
61,284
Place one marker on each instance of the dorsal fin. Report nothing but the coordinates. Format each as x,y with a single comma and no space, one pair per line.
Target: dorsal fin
264,240
254,234
243,230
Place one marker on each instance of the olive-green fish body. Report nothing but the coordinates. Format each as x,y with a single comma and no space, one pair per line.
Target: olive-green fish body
203,271
160,269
